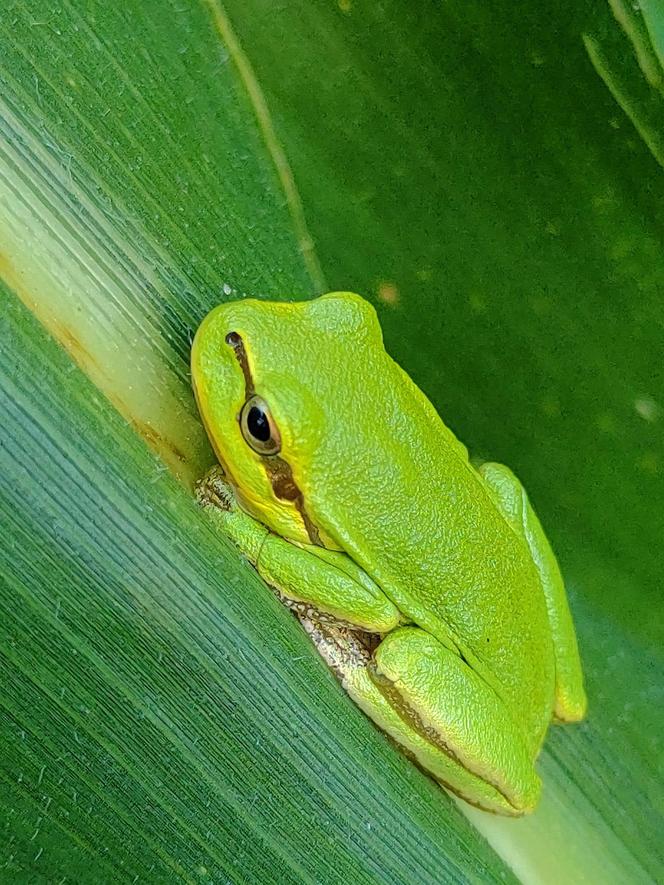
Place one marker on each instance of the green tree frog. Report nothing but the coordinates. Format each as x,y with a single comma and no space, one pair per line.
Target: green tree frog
427,583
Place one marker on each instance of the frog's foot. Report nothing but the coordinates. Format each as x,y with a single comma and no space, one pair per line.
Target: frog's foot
433,704
214,491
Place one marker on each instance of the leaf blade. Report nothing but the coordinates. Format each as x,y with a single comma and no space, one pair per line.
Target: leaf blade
173,722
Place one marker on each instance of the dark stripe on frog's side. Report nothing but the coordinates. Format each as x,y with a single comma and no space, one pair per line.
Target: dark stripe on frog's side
286,489
277,469
412,718
236,342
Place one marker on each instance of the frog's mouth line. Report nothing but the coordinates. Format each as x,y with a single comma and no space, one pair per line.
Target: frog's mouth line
277,469
218,455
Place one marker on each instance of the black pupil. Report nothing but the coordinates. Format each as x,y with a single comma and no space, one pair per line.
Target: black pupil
259,426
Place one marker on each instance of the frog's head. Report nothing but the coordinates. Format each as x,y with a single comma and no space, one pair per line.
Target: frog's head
268,378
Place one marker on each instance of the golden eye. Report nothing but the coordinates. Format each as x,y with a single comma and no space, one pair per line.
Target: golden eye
258,427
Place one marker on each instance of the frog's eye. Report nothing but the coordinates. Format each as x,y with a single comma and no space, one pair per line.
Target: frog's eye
258,427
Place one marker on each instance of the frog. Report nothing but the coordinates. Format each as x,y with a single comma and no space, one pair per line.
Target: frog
424,578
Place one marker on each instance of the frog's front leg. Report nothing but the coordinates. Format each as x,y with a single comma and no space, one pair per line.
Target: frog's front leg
306,577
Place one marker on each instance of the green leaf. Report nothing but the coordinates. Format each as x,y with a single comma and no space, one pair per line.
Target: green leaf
163,718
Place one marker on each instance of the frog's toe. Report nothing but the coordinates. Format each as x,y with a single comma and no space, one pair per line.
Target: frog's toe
215,490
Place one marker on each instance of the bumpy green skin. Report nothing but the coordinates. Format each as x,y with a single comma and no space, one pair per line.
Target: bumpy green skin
447,563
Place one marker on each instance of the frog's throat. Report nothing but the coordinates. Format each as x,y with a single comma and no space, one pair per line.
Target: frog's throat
277,469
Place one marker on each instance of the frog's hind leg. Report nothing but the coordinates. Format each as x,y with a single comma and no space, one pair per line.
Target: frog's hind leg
432,703
570,698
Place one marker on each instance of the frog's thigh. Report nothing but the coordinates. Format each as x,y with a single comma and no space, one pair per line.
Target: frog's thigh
429,700
570,700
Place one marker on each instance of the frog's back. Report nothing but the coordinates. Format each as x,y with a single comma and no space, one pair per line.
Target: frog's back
429,530
383,478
